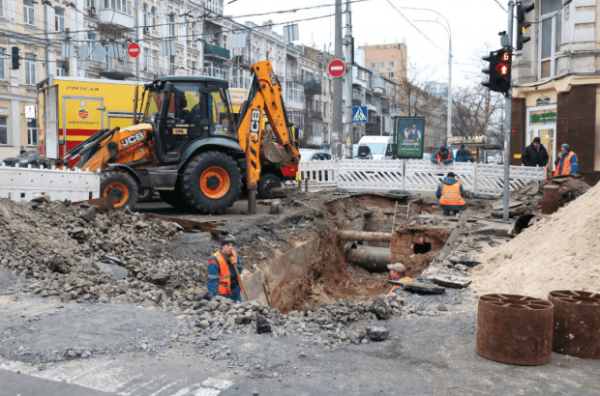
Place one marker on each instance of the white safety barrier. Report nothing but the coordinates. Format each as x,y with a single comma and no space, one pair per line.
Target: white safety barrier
413,175
24,184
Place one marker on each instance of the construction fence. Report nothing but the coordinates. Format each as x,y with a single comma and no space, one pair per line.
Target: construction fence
414,175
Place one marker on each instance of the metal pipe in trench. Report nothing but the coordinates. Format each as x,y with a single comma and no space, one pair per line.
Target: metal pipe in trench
374,259
364,236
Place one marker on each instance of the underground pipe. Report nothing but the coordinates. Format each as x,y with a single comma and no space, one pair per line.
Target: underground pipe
371,259
364,236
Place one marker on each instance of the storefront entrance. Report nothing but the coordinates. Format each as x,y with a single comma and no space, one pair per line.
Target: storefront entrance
541,122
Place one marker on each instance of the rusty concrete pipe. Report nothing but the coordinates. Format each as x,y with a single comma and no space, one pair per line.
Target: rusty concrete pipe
364,236
374,260
514,329
576,323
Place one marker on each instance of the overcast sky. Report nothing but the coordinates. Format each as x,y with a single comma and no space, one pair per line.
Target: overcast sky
474,23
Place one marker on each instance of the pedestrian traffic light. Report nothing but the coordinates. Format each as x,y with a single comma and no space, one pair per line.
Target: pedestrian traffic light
522,24
499,71
15,58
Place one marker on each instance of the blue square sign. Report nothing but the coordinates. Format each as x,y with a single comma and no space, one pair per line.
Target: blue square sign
359,115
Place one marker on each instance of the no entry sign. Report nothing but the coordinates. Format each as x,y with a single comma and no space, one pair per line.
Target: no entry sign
337,68
133,50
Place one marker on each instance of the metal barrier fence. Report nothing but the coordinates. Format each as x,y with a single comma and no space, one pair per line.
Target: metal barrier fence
24,184
414,176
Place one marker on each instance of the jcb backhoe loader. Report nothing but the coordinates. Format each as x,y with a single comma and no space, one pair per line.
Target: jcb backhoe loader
188,146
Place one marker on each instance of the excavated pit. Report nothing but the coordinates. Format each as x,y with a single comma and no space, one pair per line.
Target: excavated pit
315,269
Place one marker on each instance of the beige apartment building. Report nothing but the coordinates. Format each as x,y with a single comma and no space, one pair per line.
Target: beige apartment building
387,59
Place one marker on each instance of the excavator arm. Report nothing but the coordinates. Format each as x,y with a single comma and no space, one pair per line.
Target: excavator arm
266,96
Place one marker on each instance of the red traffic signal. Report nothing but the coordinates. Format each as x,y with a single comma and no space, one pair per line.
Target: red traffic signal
502,69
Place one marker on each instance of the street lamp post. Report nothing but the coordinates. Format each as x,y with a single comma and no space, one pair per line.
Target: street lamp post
449,31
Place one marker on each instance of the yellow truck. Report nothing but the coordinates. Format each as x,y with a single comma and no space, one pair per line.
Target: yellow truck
78,108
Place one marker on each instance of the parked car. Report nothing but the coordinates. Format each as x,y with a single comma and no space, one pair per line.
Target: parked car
314,155
30,157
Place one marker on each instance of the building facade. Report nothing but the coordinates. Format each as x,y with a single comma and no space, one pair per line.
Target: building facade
556,83
389,60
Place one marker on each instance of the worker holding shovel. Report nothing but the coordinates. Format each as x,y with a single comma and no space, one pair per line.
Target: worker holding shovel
224,268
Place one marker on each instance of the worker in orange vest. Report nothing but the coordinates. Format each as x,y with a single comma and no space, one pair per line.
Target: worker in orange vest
397,273
443,156
222,278
566,162
450,193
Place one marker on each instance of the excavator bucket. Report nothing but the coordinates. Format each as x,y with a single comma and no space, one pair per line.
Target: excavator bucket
271,152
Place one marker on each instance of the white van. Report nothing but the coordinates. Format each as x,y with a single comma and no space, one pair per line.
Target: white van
379,147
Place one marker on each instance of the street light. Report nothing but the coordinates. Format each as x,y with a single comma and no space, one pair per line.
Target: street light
447,29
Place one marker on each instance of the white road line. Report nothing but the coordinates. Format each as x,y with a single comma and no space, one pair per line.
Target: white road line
217,383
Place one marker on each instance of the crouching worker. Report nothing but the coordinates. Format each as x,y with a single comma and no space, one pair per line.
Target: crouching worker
397,273
450,193
222,277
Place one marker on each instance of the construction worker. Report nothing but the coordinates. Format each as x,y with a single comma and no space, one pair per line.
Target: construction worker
450,193
443,156
535,154
397,273
222,278
566,162
464,155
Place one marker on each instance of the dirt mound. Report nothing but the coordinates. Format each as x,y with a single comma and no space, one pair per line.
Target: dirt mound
562,252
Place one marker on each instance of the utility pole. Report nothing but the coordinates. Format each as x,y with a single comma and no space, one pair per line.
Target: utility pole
507,119
349,42
449,132
337,82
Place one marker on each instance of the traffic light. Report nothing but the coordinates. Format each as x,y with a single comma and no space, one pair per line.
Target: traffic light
522,24
499,71
15,58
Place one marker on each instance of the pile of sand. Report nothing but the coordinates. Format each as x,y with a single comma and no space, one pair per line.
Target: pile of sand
561,252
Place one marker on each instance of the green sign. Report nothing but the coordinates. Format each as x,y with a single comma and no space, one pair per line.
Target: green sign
543,118
410,133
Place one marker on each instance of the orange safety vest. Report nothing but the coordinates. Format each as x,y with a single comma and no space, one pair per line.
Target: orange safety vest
401,279
566,165
224,274
439,157
451,195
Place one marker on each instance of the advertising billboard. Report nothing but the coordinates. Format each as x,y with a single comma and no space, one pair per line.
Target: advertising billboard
410,134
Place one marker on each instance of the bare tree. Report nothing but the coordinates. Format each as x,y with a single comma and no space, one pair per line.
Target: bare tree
477,111
414,99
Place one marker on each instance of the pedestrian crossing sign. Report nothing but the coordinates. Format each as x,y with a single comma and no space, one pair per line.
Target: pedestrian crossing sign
359,115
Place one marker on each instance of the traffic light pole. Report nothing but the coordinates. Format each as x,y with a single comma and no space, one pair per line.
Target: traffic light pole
507,120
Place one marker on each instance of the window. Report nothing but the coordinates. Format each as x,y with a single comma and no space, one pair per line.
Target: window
381,65
153,19
391,75
91,42
28,12
193,68
362,74
91,3
145,16
119,5
154,61
294,91
390,64
550,37
3,130
61,68
372,66
32,133
1,8
59,19
30,70
123,56
216,70
192,31
172,24
2,63
172,65
145,59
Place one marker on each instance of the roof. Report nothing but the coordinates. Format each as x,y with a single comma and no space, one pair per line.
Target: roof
193,79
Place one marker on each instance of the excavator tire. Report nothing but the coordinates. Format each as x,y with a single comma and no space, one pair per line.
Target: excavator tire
121,187
211,182
266,183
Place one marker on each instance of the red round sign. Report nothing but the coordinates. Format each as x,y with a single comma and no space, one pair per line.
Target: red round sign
133,50
337,68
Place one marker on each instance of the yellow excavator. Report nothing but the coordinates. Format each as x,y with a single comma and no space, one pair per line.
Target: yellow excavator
189,146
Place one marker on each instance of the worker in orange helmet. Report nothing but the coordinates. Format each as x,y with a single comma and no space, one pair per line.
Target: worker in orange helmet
566,162
222,277
397,273
450,193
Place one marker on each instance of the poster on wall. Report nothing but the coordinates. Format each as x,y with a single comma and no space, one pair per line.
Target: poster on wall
410,133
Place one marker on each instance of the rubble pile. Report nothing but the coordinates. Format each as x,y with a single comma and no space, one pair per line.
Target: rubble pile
331,324
83,254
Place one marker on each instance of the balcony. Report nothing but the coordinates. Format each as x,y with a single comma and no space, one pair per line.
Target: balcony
215,51
241,61
373,120
356,102
115,19
312,87
314,115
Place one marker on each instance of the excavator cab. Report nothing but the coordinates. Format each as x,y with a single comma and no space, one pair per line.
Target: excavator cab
183,109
